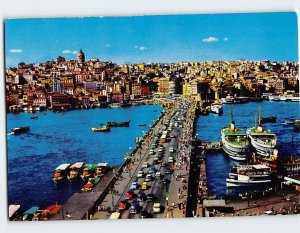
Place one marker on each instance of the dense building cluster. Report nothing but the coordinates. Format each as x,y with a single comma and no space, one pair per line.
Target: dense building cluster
81,83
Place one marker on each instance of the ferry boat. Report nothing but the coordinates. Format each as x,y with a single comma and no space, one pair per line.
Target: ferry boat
61,172
75,169
227,100
235,142
101,129
88,171
20,130
216,107
118,124
263,141
245,175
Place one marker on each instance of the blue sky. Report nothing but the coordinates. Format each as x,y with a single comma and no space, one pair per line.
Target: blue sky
176,38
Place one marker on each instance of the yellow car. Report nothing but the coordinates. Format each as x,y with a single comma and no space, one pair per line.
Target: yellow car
144,185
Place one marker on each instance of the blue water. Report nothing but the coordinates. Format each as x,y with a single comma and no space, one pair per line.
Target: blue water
208,129
57,138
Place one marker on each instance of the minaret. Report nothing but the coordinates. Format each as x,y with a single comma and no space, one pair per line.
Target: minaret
81,57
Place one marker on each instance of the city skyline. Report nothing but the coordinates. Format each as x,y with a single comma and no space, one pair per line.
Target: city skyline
163,39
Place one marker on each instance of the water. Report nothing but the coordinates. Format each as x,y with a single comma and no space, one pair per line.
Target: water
208,129
57,138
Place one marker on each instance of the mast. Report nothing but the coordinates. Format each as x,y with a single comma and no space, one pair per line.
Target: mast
259,115
255,120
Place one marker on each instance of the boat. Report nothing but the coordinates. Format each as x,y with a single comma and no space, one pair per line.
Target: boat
245,175
101,169
13,211
142,124
263,141
271,119
75,169
28,214
44,215
101,129
296,124
227,100
88,171
61,172
216,107
288,121
118,124
90,184
20,130
34,118
235,142
116,105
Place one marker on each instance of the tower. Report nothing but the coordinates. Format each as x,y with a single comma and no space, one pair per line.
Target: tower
81,57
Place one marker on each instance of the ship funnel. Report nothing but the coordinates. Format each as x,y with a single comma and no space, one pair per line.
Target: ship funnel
259,128
232,126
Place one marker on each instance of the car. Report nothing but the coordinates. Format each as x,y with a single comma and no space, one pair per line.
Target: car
171,149
270,212
151,152
145,214
123,205
166,180
145,165
157,208
144,185
129,195
158,175
134,186
140,174
134,208
152,170
150,197
167,170
148,178
141,197
171,159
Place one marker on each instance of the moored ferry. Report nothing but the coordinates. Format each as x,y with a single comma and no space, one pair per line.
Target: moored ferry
263,141
61,172
235,142
245,175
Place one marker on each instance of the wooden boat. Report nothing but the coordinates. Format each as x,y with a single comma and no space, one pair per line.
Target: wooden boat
90,184
101,169
270,119
28,214
13,211
75,169
118,124
20,130
61,172
44,215
101,129
88,171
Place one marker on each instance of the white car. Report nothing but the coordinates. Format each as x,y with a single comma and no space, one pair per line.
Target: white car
145,164
156,208
171,149
170,159
140,174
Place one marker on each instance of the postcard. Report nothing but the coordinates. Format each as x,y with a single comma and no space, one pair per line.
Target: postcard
166,116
